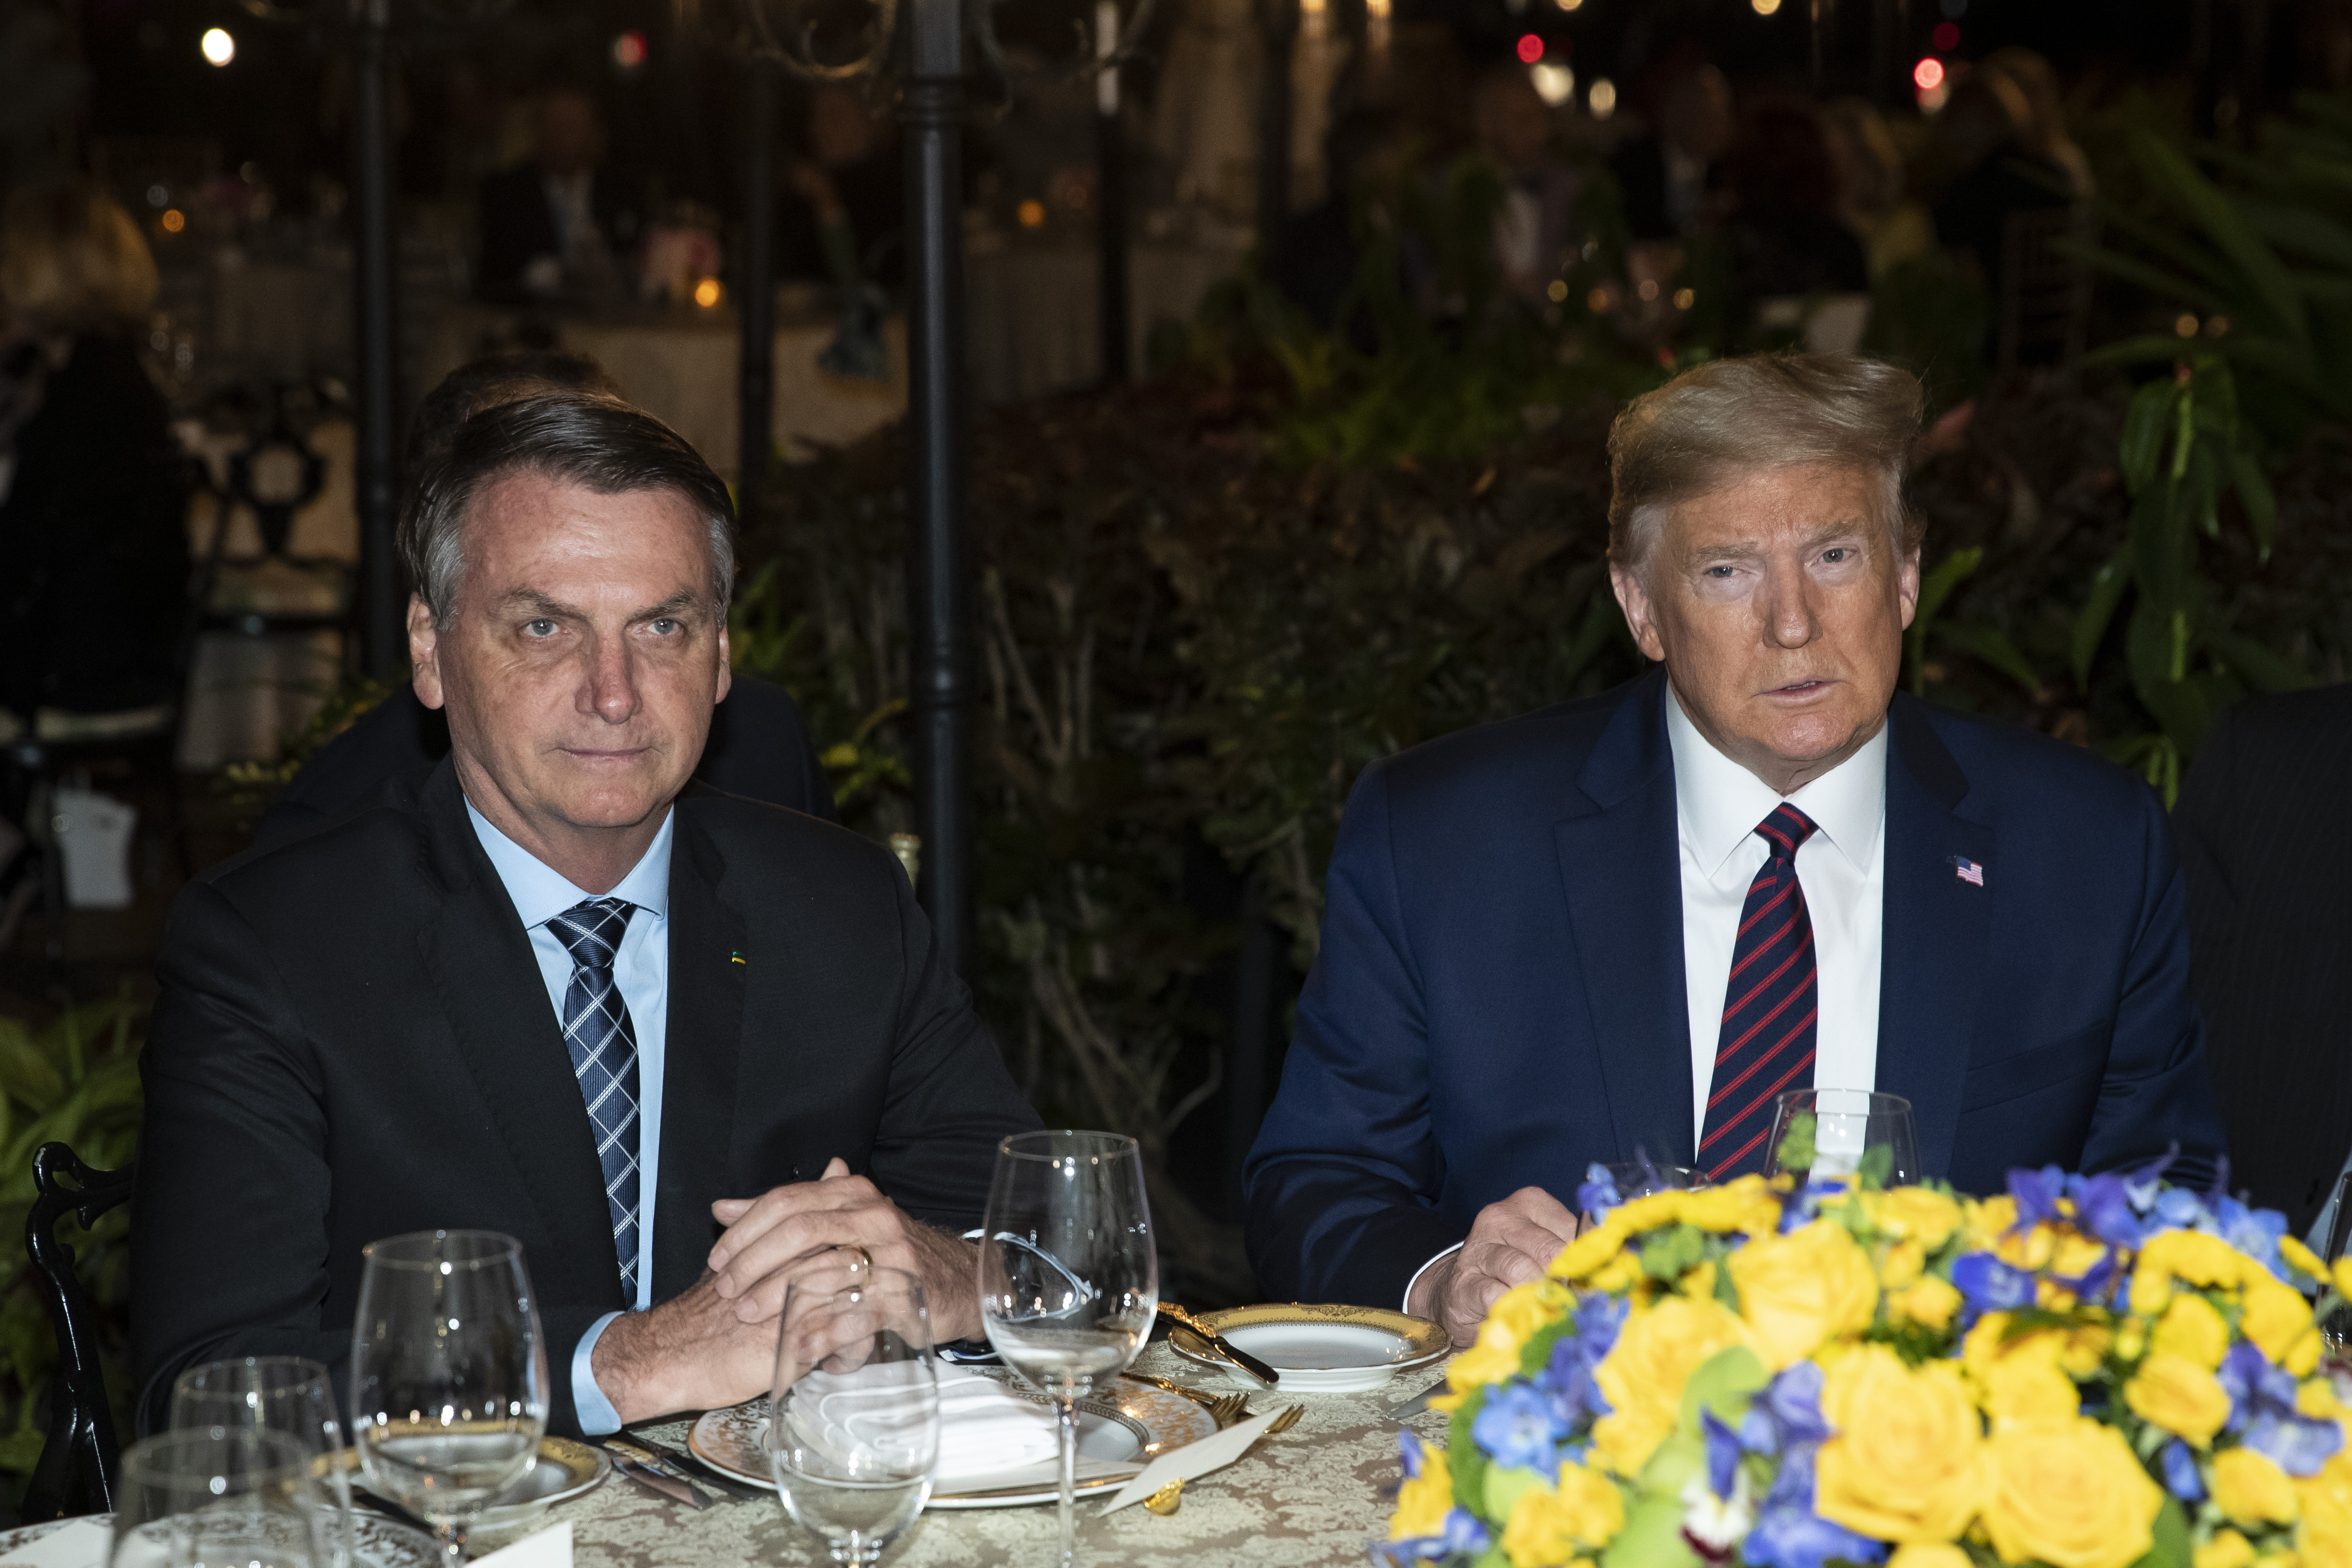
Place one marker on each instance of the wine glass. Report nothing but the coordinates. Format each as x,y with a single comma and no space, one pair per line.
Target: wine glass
2335,1329
1069,1278
1845,1133
215,1496
855,1430
448,1375
285,1395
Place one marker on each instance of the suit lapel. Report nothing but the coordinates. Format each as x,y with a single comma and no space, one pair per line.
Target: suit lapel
708,962
1936,928
1619,867
489,981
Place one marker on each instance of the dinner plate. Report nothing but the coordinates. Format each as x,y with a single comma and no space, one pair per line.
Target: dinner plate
377,1541
564,1470
1322,1350
1121,1437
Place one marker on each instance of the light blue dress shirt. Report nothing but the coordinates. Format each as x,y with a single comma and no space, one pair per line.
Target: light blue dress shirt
641,969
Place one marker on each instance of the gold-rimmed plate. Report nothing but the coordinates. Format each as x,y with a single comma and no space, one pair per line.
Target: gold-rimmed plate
564,1469
1115,1439
1321,1349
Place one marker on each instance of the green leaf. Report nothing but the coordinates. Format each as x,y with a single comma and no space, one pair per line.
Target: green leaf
1505,1487
1671,1252
2146,420
1725,1382
1953,570
2171,1546
2212,212
1464,1460
1797,1150
1993,647
2254,494
1877,1164
2090,624
2263,670
1653,1536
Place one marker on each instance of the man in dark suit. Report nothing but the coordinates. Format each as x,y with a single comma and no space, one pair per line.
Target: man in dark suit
675,1042
2269,858
557,227
1625,924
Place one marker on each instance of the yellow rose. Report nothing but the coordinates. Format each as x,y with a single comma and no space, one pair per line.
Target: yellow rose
2192,1328
1594,1248
2180,1395
2189,1254
1423,1501
1643,1375
2275,1315
1798,1289
1920,1215
2228,1549
2027,1387
2324,1533
1747,1206
1520,1310
1549,1526
1906,1462
1904,1263
2068,1493
1619,1273
2300,1259
2251,1489
1986,1220
1931,1303
2343,1275
2078,1352
1929,1554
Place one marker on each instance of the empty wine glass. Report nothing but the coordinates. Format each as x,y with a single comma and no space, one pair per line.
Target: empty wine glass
855,1429
1847,1134
286,1394
216,1497
1069,1277
448,1375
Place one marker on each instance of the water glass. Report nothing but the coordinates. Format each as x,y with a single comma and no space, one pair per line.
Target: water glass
1845,1133
217,1498
448,1375
286,1394
855,1429
1069,1276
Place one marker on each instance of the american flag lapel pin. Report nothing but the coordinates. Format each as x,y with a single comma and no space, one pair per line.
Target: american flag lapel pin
1967,870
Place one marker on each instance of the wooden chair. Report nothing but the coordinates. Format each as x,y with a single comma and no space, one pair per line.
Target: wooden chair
77,1471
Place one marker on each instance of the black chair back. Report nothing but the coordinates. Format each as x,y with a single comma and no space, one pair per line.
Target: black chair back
76,1474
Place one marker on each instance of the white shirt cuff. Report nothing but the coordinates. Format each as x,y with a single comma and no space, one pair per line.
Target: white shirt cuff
1406,1305
597,1416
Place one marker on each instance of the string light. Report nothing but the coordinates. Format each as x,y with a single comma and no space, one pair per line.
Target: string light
1555,84
1531,48
1929,74
629,50
173,221
218,46
1601,101
1765,7
707,293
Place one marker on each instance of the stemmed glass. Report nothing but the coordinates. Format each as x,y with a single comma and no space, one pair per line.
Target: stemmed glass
1069,1277
284,1394
1849,1134
217,1495
448,1375
854,1431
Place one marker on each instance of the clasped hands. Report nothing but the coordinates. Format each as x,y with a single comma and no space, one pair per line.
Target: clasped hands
1510,1243
714,1344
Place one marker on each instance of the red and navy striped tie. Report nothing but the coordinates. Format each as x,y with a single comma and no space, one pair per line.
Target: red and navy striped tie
1768,1009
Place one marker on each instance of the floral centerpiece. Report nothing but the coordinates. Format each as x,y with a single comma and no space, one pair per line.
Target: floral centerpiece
2084,1373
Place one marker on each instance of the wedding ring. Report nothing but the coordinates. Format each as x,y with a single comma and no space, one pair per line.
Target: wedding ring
864,1259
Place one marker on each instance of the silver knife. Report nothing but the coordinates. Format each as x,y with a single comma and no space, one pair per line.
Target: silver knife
1414,1404
653,1481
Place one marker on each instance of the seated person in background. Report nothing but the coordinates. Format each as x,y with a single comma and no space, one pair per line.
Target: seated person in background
1874,200
1672,180
1984,142
1531,231
1785,240
2268,851
1626,923
557,226
93,491
759,746
673,1041
847,210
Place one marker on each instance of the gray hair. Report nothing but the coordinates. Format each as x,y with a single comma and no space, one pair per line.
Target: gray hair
1718,420
572,438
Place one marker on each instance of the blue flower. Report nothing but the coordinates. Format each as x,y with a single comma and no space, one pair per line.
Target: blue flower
1521,1427
1462,1536
2254,1232
2263,1416
1598,1195
2178,1462
1790,1534
1788,1413
2179,1209
2103,1205
1989,1285
1566,1378
1410,1454
2037,1193
1722,1454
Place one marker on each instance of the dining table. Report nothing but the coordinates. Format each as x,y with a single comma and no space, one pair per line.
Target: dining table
1313,1495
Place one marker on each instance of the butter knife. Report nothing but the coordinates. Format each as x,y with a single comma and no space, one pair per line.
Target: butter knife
691,1467
653,1481
1217,1347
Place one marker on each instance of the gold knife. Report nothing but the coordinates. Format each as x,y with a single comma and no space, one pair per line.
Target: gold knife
1224,1348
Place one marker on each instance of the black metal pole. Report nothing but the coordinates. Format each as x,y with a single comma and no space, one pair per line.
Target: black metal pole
1110,175
1279,28
938,621
755,293
383,639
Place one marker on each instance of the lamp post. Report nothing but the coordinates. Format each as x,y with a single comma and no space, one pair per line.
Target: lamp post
384,643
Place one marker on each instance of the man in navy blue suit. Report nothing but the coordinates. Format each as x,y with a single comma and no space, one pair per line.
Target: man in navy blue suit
1627,923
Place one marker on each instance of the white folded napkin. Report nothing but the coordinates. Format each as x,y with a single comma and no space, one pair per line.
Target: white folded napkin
548,1547
986,1429
80,1544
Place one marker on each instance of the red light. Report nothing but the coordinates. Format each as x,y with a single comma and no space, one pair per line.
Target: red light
629,50
1530,49
1947,37
1929,74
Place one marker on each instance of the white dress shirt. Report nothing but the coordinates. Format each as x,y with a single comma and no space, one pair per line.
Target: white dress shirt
1718,805
641,969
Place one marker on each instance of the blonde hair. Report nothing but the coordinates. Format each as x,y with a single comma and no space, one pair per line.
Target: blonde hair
1716,421
72,260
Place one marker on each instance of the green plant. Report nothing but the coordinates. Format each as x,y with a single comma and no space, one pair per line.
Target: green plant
74,1079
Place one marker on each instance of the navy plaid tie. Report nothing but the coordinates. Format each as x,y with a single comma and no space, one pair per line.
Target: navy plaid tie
1769,1008
603,1046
